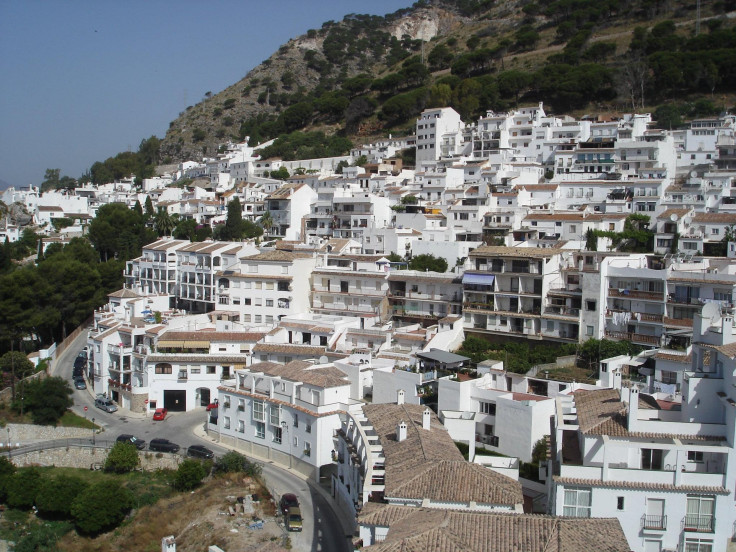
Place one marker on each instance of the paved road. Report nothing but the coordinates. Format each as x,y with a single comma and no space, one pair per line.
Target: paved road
322,529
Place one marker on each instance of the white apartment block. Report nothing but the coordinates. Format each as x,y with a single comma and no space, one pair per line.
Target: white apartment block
285,412
439,133
664,470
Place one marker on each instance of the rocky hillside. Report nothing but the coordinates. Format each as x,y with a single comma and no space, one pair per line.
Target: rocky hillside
368,75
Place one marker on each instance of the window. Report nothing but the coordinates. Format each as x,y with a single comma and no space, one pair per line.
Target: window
589,330
550,326
275,418
698,545
651,459
163,368
620,503
241,426
590,305
241,405
226,422
269,302
695,456
211,369
488,408
260,430
277,435
699,515
577,503
309,428
195,370
258,411
668,377
307,449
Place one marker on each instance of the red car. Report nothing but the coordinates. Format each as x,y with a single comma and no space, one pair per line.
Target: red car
211,406
160,413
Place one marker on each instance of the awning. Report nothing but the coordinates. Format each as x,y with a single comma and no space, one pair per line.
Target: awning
475,278
197,344
170,344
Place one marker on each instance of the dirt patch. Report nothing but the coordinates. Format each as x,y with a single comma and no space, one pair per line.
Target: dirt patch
221,512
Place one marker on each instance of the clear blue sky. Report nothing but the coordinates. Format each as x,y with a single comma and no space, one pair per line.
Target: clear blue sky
82,80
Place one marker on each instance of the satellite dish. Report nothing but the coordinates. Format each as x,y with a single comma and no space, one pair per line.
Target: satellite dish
673,217
712,312
323,359
693,174
687,221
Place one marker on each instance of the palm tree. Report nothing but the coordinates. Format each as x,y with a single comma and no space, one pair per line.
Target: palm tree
266,221
164,222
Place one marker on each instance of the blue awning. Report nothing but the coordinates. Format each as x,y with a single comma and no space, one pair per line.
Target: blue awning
475,278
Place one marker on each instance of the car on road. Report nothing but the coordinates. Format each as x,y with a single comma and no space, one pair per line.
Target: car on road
212,406
105,404
294,519
140,444
163,445
160,414
79,383
77,373
200,451
80,362
288,501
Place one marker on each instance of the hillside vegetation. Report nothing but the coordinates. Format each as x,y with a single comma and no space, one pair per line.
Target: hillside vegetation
367,75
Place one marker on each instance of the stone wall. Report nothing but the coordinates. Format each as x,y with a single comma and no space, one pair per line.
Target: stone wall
90,458
26,433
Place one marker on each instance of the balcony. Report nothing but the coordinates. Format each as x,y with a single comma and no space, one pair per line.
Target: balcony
633,337
633,294
562,311
654,523
119,349
637,316
699,523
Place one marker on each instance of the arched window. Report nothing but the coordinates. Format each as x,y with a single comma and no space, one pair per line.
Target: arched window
163,368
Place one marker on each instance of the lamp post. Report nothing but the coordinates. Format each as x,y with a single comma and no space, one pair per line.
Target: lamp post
93,431
10,454
285,430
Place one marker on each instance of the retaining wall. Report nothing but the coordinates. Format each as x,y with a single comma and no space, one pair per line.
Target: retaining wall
89,458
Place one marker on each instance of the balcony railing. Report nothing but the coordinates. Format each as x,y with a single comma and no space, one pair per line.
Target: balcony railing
633,294
699,523
655,523
633,337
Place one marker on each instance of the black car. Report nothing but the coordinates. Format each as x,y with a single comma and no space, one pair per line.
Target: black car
77,373
80,363
140,444
163,445
199,451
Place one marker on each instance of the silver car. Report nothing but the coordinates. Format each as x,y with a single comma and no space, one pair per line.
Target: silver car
105,404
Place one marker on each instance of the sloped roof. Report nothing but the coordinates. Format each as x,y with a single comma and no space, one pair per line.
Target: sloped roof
304,372
430,530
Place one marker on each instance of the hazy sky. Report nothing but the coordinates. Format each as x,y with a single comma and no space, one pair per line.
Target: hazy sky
82,80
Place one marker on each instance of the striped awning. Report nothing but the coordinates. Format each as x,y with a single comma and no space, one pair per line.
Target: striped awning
475,278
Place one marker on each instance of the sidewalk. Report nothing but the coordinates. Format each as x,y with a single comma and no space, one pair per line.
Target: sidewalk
347,521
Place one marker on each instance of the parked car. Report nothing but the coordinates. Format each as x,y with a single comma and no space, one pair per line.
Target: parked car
77,373
105,404
199,451
160,414
287,501
163,445
294,519
79,383
140,444
80,362
212,406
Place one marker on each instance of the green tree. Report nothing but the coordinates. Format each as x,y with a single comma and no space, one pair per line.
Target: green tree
22,487
266,222
138,208
46,399
7,469
122,458
56,495
428,262
50,180
119,232
101,507
149,208
281,174
189,475
234,223
164,222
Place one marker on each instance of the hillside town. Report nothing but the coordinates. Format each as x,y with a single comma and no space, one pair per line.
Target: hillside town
317,346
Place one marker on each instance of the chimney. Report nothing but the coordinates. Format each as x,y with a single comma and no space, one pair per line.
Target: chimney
633,408
426,418
727,328
617,379
401,431
400,397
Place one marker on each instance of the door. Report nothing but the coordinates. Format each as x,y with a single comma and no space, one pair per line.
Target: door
175,400
652,546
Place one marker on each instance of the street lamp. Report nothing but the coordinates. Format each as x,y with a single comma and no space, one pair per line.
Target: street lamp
9,453
93,431
285,430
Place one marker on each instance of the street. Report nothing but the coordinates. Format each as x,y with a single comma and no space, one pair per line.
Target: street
322,529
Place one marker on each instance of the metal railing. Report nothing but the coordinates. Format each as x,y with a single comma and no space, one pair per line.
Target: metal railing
658,523
699,523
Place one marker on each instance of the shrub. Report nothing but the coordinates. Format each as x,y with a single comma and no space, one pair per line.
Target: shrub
189,475
101,507
55,496
22,488
236,462
7,469
122,458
